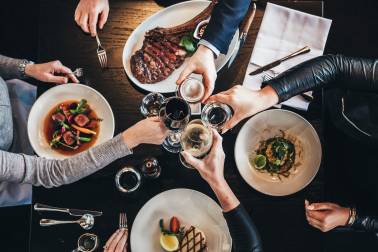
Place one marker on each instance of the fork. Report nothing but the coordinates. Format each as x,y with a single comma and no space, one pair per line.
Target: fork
123,220
101,54
267,77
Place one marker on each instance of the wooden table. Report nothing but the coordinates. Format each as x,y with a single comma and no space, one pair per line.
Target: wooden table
280,220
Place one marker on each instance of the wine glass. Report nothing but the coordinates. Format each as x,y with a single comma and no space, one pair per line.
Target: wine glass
196,139
151,104
192,90
175,114
87,243
216,114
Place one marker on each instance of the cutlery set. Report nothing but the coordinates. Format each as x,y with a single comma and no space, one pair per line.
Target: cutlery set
86,221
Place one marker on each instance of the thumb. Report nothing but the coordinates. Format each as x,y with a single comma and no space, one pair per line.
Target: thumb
184,74
320,206
57,79
195,162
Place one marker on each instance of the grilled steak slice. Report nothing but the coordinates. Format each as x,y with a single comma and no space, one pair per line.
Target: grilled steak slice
161,52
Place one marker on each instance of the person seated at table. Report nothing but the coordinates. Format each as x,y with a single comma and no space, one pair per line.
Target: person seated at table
244,234
345,107
21,168
225,20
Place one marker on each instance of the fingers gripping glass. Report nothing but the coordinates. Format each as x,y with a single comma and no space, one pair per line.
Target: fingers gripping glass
196,139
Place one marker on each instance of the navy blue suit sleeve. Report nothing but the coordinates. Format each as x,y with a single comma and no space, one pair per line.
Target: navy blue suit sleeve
225,19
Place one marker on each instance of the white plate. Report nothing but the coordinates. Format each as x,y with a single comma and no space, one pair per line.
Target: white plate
53,97
168,17
191,208
268,124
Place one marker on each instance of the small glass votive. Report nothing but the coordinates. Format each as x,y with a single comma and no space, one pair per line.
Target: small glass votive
150,168
128,180
151,104
87,243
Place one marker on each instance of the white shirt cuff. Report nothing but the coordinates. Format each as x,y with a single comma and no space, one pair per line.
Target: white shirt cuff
210,46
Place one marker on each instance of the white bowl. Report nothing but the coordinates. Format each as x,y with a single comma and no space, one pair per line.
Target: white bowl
268,124
53,97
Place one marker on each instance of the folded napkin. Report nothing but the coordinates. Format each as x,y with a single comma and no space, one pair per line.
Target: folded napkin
282,32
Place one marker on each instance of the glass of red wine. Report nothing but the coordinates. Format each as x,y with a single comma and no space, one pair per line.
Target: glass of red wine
175,114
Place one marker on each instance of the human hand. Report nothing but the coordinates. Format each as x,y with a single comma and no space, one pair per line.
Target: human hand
210,167
326,216
202,62
149,131
245,102
46,72
89,12
118,241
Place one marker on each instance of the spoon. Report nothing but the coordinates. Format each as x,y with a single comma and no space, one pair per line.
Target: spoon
86,222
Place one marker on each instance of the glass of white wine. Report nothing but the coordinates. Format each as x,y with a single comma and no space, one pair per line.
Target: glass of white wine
196,139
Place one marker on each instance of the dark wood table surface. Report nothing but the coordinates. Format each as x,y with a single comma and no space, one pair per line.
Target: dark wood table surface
280,220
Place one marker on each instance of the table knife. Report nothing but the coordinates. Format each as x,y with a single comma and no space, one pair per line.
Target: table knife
73,212
303,50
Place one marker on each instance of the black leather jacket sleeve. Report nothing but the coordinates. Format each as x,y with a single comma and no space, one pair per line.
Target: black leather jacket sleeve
327,71
245,237
365,223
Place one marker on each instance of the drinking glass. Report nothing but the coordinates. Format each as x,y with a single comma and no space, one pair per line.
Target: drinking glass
87,243
216,114
151,104
196,139
175,114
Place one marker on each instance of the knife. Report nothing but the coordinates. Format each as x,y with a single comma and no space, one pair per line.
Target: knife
73,212
303,50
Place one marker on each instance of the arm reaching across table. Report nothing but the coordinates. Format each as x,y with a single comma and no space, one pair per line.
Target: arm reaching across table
243,231
11,68
39,171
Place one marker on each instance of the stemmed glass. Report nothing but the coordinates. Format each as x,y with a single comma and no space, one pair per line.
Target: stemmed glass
175,114
196,139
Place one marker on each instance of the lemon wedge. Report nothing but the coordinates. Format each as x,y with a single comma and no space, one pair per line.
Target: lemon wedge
169,242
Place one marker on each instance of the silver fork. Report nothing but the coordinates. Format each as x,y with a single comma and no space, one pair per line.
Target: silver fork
122,220
101,54
78,72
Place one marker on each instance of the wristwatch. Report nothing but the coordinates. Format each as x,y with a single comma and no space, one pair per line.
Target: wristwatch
22,66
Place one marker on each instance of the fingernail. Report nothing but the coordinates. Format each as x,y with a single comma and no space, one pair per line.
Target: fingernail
310,207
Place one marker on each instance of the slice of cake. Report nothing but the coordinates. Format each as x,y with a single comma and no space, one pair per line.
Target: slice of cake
194,240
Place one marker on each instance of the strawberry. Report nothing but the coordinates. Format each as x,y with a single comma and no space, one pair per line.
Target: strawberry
174,225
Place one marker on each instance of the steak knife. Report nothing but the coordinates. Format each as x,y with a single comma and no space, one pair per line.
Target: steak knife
303,50
72,212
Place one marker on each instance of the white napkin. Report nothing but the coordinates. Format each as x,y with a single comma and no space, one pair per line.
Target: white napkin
282,32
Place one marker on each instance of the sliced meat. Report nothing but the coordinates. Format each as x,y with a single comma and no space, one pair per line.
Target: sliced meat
58,117
92,124
81,120
69,138
161,52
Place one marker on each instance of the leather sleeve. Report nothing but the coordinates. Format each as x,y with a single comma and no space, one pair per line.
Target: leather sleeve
225,20
366,223
245,237
327,71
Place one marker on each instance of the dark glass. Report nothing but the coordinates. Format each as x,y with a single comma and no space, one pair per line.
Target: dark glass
175,113
216,114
